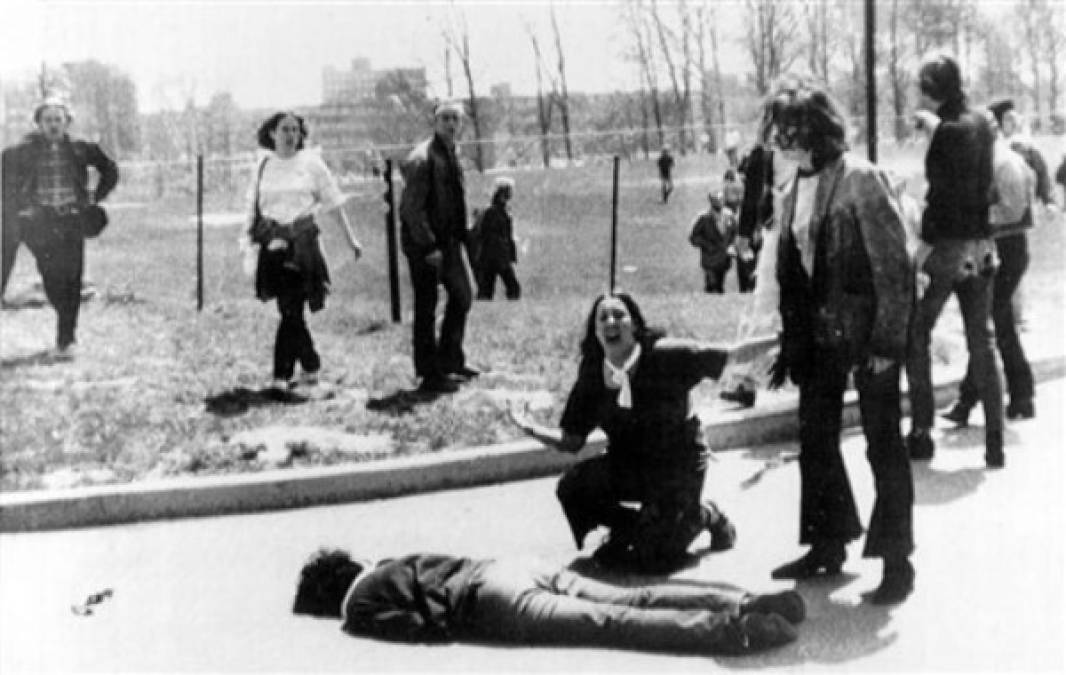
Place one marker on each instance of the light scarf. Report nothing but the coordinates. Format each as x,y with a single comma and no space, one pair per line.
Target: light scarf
620,377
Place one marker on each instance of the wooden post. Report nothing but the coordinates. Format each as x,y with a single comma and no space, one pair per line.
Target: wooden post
614,224
199,232
390,236
871,82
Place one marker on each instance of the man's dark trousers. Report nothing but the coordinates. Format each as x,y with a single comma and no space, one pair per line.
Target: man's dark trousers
435,358
827,505
57,244
1013,253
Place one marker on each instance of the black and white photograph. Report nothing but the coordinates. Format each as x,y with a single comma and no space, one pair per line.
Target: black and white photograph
456,336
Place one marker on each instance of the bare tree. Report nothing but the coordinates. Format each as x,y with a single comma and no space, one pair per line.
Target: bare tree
897,75
562,97
702,17
1054,46
772,40
817,16
666,37
640,30
456,35
544,106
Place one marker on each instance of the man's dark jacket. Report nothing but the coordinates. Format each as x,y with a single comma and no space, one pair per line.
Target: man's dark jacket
858,299
958,167
433,205
20,172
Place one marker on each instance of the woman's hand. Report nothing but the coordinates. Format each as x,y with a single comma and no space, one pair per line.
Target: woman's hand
277,245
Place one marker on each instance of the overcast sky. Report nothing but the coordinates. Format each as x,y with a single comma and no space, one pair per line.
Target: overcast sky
272,53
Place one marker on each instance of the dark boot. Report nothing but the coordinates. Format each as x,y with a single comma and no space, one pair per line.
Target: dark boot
1021,410
788,604
920,444
959,414
897,582
824,559
740,394
723,532
763,631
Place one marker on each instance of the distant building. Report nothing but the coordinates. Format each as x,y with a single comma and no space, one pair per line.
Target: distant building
360,81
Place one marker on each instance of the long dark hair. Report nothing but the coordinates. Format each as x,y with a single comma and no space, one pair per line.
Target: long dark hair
592,353
940,79
324,581
811,119
271,124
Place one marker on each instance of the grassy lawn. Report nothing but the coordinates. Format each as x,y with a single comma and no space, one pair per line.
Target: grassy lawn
133,405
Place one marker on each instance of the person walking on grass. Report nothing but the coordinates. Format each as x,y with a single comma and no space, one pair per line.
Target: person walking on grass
666,172
846,289
433,598
713,233
432,232
963,259
48,205
635,384
292,190
497,253
1011,216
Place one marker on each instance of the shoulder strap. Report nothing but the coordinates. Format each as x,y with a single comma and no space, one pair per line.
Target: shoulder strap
258,180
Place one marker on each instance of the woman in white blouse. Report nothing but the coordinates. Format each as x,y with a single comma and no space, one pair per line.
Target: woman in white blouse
292,190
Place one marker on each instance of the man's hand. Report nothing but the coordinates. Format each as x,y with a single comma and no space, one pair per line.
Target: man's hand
435,259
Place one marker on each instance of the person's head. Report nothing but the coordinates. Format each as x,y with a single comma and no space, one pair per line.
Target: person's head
448,120
502,190
729,175
715,200
809,127
283,132
939,82
614,323
324,581
52,118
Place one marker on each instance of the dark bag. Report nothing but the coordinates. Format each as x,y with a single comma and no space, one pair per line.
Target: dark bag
261,227
93,220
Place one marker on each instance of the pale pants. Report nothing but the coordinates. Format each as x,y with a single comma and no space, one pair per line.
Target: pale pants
538,604
761,319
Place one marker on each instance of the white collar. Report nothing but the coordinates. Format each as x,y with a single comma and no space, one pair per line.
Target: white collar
620,377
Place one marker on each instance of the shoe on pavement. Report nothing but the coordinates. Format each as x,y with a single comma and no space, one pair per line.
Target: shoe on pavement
920,444
897,582
308,379
788,604
822,560
281,384
1021,410
723,532
959,414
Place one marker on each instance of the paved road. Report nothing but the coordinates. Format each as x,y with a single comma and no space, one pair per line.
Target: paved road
214,594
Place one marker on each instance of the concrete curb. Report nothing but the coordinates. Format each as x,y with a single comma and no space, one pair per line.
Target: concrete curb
292,488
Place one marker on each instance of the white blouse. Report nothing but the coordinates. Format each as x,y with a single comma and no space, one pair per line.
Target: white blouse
294,187
806,189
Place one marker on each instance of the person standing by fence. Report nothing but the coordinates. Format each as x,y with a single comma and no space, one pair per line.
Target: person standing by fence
292,190
666,172
432,232
48,205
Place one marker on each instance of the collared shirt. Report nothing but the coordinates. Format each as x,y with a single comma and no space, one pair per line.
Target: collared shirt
54,185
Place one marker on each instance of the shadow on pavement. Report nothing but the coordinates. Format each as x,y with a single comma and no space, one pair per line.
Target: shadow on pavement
834,632
402,402
932,486
240,400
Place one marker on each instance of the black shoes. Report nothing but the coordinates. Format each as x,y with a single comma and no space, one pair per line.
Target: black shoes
959,414
438,385
788,604
920,444
1021,410
741,395
897,582
821,560
994,458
